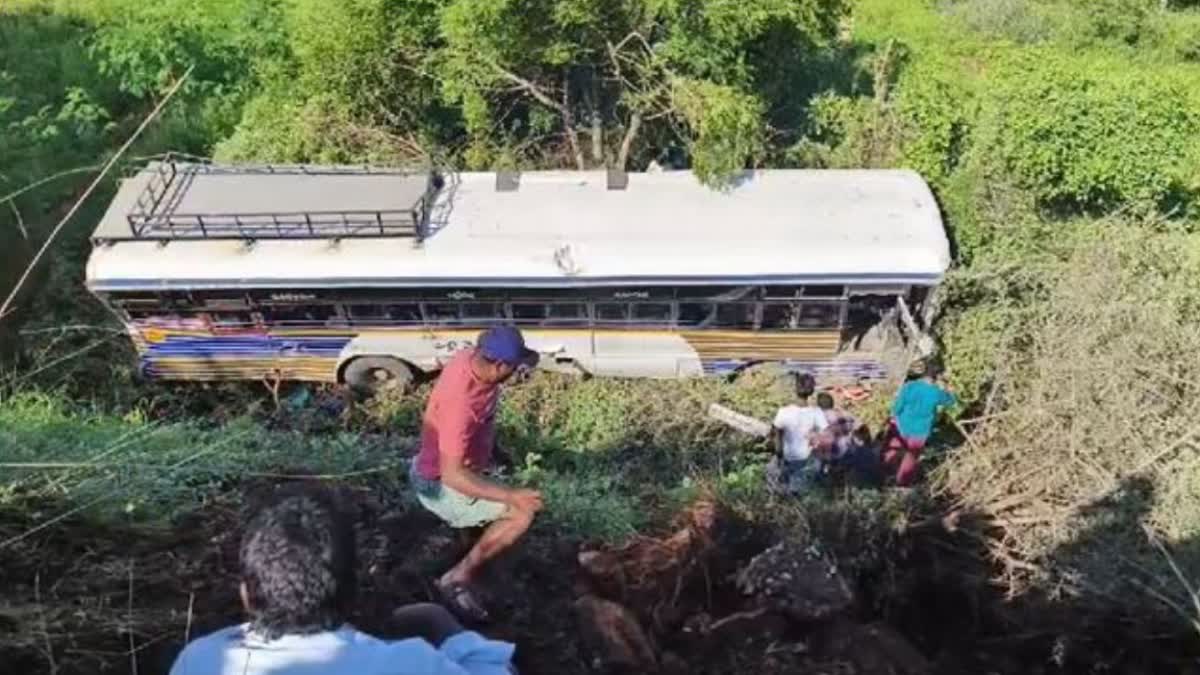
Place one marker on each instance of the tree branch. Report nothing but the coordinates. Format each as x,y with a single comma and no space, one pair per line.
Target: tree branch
563,109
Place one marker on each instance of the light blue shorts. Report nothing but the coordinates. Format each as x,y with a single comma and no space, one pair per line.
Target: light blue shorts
453,507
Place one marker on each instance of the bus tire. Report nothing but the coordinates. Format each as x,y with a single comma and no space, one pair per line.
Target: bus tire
369,375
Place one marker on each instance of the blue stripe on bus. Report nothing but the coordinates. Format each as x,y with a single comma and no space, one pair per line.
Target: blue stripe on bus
242,346
862,369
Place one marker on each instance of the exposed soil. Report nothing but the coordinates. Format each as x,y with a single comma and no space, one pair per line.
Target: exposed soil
78,598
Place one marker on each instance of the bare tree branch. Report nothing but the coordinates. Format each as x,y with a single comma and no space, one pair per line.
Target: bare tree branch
563,109
20,221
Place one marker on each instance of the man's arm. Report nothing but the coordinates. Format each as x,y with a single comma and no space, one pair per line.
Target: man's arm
898,403
459,477
777,440
777,431
454,437
453,440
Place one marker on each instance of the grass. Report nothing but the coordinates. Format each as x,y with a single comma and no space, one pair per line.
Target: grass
613,457
130,468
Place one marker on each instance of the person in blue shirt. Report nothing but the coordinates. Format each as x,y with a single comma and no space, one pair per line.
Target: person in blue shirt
297,586
913,415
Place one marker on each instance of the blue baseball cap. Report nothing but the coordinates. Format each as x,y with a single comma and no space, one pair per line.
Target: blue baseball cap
506,345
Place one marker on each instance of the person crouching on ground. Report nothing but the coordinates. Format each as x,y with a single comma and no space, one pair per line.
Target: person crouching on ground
847,444
298,583
458,442
795,432
913,415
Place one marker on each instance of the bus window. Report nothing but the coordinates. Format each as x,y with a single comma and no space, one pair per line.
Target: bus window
652,312
528,312
299,315
384,314
696,314
611,313
824,291
778,316
820,314
368,313
409,312
441,312
483,312
735,315
569,313
231,319
219,300
781,292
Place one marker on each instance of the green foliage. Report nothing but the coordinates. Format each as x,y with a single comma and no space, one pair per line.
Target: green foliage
146,45
1080,137
1022,21
727,127
56,108
604,71
130,467
1121,20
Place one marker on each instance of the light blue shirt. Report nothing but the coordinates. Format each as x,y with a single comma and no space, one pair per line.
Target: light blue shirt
916,407
238,651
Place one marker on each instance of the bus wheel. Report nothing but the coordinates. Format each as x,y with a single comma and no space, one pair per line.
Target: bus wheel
370,375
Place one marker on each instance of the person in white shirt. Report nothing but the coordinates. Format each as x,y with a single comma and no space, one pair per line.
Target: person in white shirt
298,582
795,431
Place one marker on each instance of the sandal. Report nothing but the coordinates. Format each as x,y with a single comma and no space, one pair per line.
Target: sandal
462,602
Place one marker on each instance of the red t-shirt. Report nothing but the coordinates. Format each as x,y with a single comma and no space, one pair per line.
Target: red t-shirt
460,419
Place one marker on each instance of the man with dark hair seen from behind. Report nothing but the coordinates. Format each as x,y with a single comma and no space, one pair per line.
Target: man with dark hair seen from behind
298,583
458,443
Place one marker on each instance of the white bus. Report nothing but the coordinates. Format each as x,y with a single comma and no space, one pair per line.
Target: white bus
368,276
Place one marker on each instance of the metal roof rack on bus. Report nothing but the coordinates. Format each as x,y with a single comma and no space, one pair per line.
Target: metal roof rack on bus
185,201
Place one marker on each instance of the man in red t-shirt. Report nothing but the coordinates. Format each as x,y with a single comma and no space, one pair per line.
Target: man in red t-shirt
458,439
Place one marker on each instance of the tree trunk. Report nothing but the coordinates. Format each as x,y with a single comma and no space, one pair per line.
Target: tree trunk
635,124
569,126
597,138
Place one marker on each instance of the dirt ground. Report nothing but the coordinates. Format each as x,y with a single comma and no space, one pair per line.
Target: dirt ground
76,598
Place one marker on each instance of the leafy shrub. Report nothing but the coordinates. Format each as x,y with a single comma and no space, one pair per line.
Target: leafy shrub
1077,136
1016,20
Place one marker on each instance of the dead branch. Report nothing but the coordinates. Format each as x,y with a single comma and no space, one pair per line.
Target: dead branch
20,221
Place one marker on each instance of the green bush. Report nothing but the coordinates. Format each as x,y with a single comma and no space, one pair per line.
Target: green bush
1016,20
1078,136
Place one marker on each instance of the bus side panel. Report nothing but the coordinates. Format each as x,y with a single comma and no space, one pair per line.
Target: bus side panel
566,349
187,349
726,351
645,353
415,346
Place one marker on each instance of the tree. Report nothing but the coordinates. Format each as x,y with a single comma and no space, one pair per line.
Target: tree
598,82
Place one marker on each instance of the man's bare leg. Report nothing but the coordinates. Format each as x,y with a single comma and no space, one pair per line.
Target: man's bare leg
497,538
427,621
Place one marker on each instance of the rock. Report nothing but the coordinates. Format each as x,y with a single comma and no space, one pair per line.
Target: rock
617,641
875,649
653,576
798,582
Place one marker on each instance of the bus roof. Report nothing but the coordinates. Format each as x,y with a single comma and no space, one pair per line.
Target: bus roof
556,228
